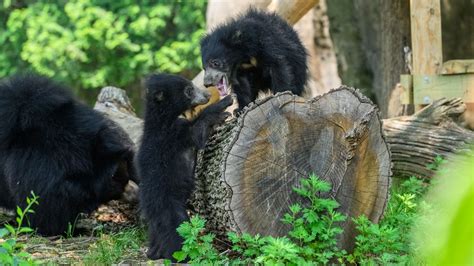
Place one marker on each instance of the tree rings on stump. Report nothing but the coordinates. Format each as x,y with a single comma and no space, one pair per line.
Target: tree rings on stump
246,174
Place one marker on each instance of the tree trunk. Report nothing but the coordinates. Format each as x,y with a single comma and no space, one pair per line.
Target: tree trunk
369,37
350,27
395,36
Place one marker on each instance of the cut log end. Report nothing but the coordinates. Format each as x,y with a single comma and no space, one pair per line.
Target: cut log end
284,138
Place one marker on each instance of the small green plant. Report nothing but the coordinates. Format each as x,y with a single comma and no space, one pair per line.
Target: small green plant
71,228
11,251
311,240
378,244
197,246
437,162
389,241
315,228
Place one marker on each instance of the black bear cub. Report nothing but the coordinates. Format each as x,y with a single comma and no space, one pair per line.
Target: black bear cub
167,156
258,51
69,155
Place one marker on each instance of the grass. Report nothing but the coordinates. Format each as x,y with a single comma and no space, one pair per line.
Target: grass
116,247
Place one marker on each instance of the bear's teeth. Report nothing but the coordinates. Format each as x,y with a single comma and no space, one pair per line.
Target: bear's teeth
224,80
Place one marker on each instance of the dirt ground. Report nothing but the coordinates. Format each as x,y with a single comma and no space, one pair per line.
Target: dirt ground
114,217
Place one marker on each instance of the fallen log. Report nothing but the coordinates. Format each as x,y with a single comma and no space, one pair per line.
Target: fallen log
433,131
246,174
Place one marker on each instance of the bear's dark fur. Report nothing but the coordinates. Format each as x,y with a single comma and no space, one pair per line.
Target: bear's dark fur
258,51
69,155
167,156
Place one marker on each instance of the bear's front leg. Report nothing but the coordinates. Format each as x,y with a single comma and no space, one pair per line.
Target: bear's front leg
214,114
243,90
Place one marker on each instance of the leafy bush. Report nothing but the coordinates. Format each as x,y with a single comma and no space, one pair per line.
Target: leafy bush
197,246
11,251
311,240
389,241
92,43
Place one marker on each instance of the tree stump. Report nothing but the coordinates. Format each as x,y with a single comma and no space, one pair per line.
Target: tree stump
246,174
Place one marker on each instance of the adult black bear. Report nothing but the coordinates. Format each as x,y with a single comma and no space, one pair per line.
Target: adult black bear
69,155
258,51
167,156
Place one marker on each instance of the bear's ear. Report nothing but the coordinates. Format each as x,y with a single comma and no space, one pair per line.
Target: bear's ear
159,96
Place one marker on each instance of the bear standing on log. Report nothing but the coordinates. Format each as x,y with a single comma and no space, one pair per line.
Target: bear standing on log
167,156
256,52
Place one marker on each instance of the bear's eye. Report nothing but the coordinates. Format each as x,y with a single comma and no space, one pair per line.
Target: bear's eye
188,91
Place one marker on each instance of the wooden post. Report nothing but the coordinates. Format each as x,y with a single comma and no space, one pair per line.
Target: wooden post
426,36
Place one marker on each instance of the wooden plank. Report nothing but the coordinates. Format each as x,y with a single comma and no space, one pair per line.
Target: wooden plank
426,36
292,10
457,67
428,88
406,81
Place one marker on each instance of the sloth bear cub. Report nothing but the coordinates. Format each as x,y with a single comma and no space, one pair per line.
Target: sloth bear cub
258,51
167,156
69,155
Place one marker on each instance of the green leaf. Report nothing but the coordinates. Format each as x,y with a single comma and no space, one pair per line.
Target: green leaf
6,259
179,255
19,211
26,230
10,229
3,232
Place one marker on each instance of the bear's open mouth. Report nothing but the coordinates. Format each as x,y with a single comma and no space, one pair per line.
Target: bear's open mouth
223,86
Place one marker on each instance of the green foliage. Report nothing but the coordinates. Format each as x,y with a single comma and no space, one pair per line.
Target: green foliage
197,246
444,234
11,251
437,162
389,241
315,228
311,240
112,248
92,43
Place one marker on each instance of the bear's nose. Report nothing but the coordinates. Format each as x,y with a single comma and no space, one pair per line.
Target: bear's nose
208,81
